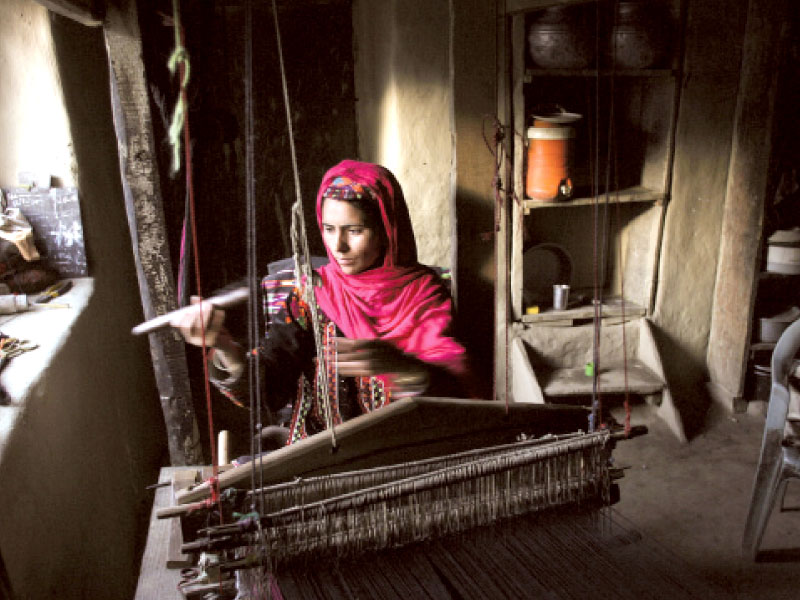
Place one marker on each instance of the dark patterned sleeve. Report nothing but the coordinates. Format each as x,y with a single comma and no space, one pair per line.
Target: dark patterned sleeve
286,351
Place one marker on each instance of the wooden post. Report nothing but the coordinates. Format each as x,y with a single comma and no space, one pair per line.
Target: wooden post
502,237
734,293
85,12
144,208
518,120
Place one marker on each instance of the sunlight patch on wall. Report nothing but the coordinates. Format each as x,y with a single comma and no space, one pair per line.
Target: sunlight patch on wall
33,120
389,130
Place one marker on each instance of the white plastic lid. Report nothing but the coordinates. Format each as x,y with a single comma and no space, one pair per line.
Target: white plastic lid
550,133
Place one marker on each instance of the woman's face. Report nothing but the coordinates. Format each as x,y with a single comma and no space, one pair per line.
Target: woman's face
353,242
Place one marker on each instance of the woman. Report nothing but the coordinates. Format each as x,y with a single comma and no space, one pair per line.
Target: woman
385,319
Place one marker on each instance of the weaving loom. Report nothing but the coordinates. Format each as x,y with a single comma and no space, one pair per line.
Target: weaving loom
474,471
525,516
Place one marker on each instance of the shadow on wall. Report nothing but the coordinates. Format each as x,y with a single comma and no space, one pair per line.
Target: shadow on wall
686,380
475,272
76,467
5,583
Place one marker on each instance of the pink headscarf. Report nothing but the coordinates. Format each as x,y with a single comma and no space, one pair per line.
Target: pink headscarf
402,302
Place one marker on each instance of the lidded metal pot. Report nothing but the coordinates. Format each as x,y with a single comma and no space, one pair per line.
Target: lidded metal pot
562,37
639,34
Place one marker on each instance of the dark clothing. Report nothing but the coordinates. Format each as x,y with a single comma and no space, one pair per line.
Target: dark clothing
288,361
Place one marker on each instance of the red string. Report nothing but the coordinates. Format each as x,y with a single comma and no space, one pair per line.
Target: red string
213,482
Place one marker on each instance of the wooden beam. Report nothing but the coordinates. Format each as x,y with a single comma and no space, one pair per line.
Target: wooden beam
517,6
406,430
518,120
502,299
85,12
143,204
734,293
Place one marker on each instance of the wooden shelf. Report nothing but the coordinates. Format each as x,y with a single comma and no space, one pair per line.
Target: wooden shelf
635,194
611,380
613,309
768,275
515,6
755,346
531,73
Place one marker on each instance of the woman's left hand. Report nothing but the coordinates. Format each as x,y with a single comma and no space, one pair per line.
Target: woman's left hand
364,358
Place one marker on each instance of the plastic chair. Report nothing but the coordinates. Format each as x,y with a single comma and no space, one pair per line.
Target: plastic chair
780,459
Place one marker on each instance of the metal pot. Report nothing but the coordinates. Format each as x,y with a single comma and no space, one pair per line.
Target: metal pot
638,37
561,38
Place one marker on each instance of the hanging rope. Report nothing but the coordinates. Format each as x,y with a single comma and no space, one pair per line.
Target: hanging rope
184,255
600,242
596,405
253,334
621,259
182,59
179,59
304,272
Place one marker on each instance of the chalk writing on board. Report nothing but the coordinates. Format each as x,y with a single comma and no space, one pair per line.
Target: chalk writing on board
55,216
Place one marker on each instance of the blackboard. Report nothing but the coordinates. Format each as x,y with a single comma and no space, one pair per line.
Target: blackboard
55,216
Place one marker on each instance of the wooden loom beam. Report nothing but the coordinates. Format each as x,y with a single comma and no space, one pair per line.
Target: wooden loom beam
407,430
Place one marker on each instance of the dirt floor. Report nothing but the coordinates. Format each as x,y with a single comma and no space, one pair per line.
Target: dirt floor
691,500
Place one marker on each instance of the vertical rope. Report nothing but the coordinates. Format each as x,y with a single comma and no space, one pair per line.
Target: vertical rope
610,142
303,267
596,408
178,59
253,337
621,259
180,56
185,256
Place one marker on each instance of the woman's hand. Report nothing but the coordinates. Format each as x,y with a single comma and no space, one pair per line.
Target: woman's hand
364,358
206,320
202,322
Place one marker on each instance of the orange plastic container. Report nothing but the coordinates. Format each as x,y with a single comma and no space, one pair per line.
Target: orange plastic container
547,176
